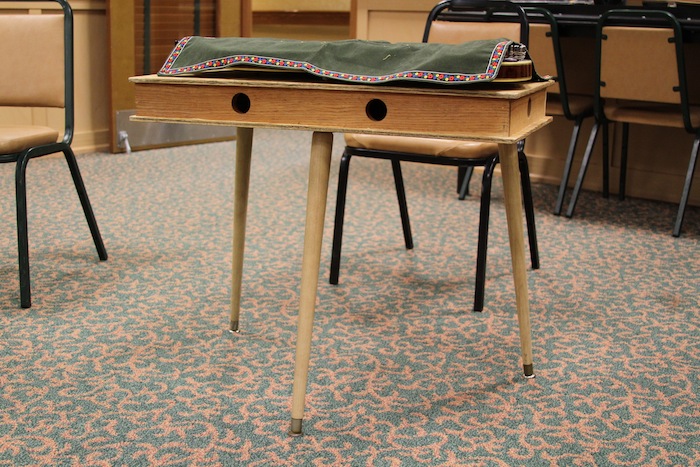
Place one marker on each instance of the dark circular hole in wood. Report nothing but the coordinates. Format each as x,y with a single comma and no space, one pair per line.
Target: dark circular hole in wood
241,103
376,110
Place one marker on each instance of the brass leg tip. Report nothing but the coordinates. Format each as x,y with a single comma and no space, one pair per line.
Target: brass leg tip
529,371
295,428
234,327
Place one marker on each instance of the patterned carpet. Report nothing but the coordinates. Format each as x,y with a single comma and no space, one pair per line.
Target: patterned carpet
129,361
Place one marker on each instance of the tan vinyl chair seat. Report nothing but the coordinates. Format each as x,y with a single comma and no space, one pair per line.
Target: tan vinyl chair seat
649,113
428,146
17,138
578,104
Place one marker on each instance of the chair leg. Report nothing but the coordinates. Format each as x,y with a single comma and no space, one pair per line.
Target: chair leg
85,202
22,236
623,161
529,210
461,172
403,206
339,217
606,162
567,166
485,211
584,167
686,187
464,185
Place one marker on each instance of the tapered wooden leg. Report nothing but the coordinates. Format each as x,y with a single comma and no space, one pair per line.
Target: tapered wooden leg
508,155
321,147
244,146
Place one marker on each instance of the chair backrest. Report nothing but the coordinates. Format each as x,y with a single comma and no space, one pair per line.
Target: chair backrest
546,52
542,51
545,48
640,57
456,21
37,60
630,70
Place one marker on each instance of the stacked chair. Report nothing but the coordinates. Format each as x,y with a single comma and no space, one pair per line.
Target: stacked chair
546,52
630,91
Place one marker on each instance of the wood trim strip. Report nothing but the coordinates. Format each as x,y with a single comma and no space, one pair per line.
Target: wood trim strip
306,18
76,5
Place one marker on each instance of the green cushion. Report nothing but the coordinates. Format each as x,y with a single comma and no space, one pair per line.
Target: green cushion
348,60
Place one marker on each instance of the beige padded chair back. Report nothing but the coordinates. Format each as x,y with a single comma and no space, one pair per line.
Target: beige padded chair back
32,73
626,68
456,32
541,52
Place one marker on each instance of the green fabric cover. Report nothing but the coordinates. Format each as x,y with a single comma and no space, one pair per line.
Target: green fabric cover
348,60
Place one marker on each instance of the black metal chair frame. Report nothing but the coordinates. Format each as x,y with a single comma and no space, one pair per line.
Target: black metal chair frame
477,11
492,10
564,100
631,18
64,146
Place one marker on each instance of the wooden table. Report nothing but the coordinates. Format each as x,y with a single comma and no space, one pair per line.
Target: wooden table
504,114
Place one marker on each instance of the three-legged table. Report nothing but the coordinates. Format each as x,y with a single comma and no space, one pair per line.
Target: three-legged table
500,113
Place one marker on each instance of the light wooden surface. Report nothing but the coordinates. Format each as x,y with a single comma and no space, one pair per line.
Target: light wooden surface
505,113
512,194
501,113
319,171
394,20
244,149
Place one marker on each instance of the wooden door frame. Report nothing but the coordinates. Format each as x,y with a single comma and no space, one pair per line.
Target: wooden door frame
234,17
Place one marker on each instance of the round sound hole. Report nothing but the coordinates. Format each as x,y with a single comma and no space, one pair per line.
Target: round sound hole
376,110
241,103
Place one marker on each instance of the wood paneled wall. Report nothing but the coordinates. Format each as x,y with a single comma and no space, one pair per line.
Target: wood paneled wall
170,20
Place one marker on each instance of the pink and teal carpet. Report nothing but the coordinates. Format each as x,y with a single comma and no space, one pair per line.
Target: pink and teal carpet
129,362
